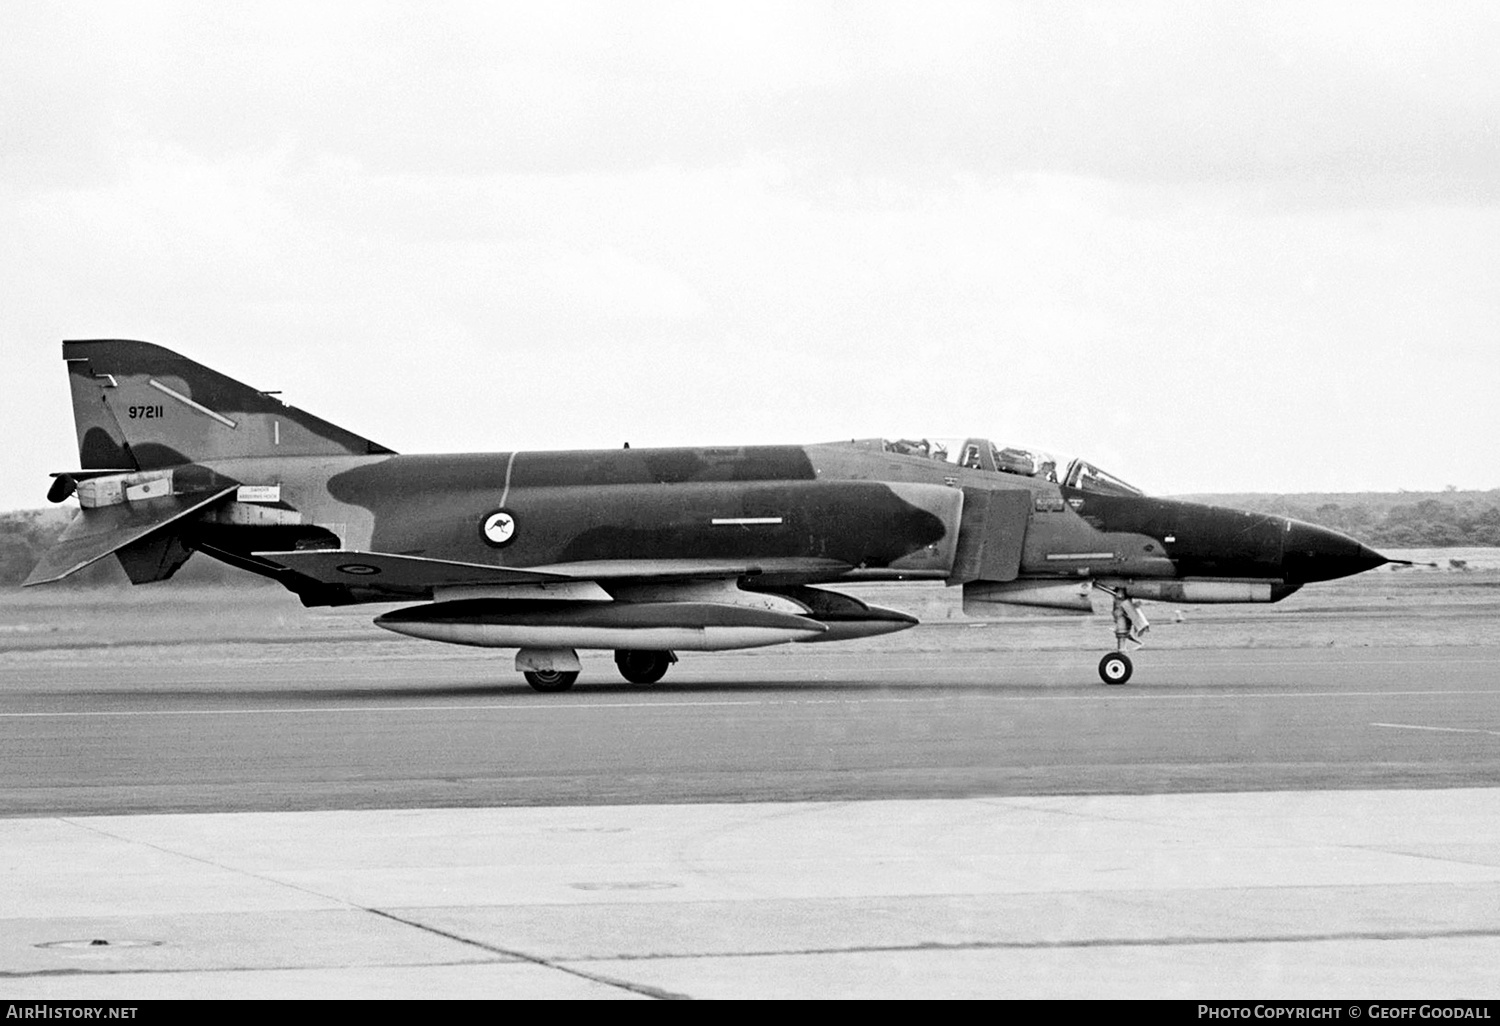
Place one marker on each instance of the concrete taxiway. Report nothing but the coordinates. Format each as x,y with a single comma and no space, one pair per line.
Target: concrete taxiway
1383,894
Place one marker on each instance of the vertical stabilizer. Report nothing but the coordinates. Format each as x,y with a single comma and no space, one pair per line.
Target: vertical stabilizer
138,406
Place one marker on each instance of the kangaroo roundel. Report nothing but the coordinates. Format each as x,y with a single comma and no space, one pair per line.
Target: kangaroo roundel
499,527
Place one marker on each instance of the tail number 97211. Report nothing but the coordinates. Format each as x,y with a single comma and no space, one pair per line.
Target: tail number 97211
146,412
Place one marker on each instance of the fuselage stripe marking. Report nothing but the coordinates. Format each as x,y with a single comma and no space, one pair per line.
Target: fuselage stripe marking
509,466
723,521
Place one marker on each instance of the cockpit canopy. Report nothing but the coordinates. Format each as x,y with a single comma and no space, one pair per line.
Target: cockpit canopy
982,454
1088,478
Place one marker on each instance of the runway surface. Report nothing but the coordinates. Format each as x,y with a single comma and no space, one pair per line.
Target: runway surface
944,816
193,729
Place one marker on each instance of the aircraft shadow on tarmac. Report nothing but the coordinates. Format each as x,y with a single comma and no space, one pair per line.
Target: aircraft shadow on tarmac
505,690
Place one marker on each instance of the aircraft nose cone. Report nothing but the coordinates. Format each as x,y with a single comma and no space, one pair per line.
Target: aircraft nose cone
1311,553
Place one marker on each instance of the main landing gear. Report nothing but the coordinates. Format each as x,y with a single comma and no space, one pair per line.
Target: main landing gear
643,668
552,670
551,680
549,669
1130,625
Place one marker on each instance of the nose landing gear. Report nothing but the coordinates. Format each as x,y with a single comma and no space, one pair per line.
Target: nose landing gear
1115,668
1130,625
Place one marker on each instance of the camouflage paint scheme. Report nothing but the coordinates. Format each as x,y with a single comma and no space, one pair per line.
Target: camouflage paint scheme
624,548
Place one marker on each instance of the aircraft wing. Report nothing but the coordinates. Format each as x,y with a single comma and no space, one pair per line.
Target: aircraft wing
95,533
388,569
689,569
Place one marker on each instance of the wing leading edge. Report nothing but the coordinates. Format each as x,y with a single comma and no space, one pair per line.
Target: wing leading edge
388,569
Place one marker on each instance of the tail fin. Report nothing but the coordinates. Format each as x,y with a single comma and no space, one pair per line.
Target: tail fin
138,406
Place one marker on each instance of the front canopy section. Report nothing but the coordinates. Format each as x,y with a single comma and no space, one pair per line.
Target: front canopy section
983,454
1088,478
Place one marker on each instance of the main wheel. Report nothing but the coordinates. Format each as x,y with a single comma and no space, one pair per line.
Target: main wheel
551,680
643,668
1115,668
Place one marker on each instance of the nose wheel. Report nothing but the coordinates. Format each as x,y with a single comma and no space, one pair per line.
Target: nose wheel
1115,668
1130,627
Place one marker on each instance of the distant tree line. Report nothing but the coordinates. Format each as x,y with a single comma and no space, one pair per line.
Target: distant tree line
24,536
1410,520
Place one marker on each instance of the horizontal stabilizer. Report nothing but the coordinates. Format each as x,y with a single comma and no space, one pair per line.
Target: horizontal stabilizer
389,570
95,533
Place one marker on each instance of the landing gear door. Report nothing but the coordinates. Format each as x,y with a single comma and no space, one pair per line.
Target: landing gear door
990,534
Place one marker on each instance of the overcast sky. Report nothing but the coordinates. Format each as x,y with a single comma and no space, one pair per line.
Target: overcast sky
1212,247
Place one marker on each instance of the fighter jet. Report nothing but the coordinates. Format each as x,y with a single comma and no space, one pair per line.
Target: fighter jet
645,552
